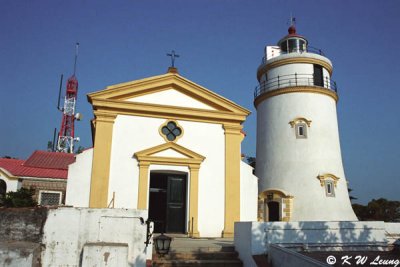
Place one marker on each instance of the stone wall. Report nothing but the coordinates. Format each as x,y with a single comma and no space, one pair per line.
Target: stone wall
46,185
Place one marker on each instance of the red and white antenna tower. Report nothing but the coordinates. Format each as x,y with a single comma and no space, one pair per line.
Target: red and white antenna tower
66,136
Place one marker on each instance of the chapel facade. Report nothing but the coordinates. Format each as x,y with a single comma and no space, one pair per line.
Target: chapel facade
170,146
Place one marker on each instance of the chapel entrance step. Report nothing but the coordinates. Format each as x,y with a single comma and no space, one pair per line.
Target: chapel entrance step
199,252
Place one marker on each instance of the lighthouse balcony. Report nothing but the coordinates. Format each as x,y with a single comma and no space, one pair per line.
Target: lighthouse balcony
295,80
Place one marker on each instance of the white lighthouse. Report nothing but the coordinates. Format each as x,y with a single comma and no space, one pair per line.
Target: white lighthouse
299,163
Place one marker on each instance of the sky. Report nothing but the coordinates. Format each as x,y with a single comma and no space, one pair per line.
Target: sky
220,43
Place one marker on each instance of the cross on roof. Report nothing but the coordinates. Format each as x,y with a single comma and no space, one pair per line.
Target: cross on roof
173,56
292,20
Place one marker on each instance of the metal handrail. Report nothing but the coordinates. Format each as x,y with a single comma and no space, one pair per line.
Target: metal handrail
310,49
292,80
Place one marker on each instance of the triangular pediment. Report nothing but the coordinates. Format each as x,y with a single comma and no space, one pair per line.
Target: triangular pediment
168,90
169,152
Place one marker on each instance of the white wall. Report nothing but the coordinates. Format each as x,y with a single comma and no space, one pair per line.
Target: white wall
292,165
175,98
254,238
392,232
68,230
12,184
78,183
248,193
132,134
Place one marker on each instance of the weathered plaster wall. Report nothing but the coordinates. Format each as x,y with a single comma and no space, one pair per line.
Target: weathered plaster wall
22,224
60,236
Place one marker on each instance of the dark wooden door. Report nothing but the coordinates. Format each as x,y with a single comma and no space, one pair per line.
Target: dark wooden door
176,204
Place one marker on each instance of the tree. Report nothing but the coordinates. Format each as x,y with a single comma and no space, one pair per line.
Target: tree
50,146
23,197
378,210
252,162
350,196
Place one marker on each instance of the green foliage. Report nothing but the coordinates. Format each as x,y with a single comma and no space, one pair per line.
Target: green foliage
18,199
49,146
378,210
252,162
79,150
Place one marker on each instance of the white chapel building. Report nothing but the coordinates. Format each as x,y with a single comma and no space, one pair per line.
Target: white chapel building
172,147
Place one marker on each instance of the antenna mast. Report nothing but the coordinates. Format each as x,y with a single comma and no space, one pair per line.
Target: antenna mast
66,136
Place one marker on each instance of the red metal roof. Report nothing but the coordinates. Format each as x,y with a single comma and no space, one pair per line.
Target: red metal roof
41,164
50,160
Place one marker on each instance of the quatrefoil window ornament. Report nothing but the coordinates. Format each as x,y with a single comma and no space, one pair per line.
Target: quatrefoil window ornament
171,131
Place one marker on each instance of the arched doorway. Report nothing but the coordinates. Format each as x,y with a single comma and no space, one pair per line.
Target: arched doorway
276,205
273,211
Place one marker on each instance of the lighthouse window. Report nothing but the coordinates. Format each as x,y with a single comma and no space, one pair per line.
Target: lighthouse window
301,130
329,189
293,45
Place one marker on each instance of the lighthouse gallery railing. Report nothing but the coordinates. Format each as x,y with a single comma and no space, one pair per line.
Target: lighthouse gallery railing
292,80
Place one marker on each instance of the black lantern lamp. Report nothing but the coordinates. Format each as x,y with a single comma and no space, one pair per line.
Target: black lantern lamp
162,244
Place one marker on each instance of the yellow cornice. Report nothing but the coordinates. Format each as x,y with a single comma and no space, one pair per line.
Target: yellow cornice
300,119
147,155
233,128
154,84
104,116
293,60
323,177
115,107
282,193
296,89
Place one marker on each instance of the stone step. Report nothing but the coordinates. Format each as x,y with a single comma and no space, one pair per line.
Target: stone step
203,249
196,255
189,263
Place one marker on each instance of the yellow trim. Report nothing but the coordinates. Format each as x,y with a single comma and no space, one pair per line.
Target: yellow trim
193,161
282,198
293,60
7,174
163,111
323,177
143,184
300,119
264,194
101,160
124,91
194,200
233,139
297,89
165,124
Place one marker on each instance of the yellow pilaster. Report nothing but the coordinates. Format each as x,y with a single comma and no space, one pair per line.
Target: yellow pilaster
101,160
194,200
143,185
233,138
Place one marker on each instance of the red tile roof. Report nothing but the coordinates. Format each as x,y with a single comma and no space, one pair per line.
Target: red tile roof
41,164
